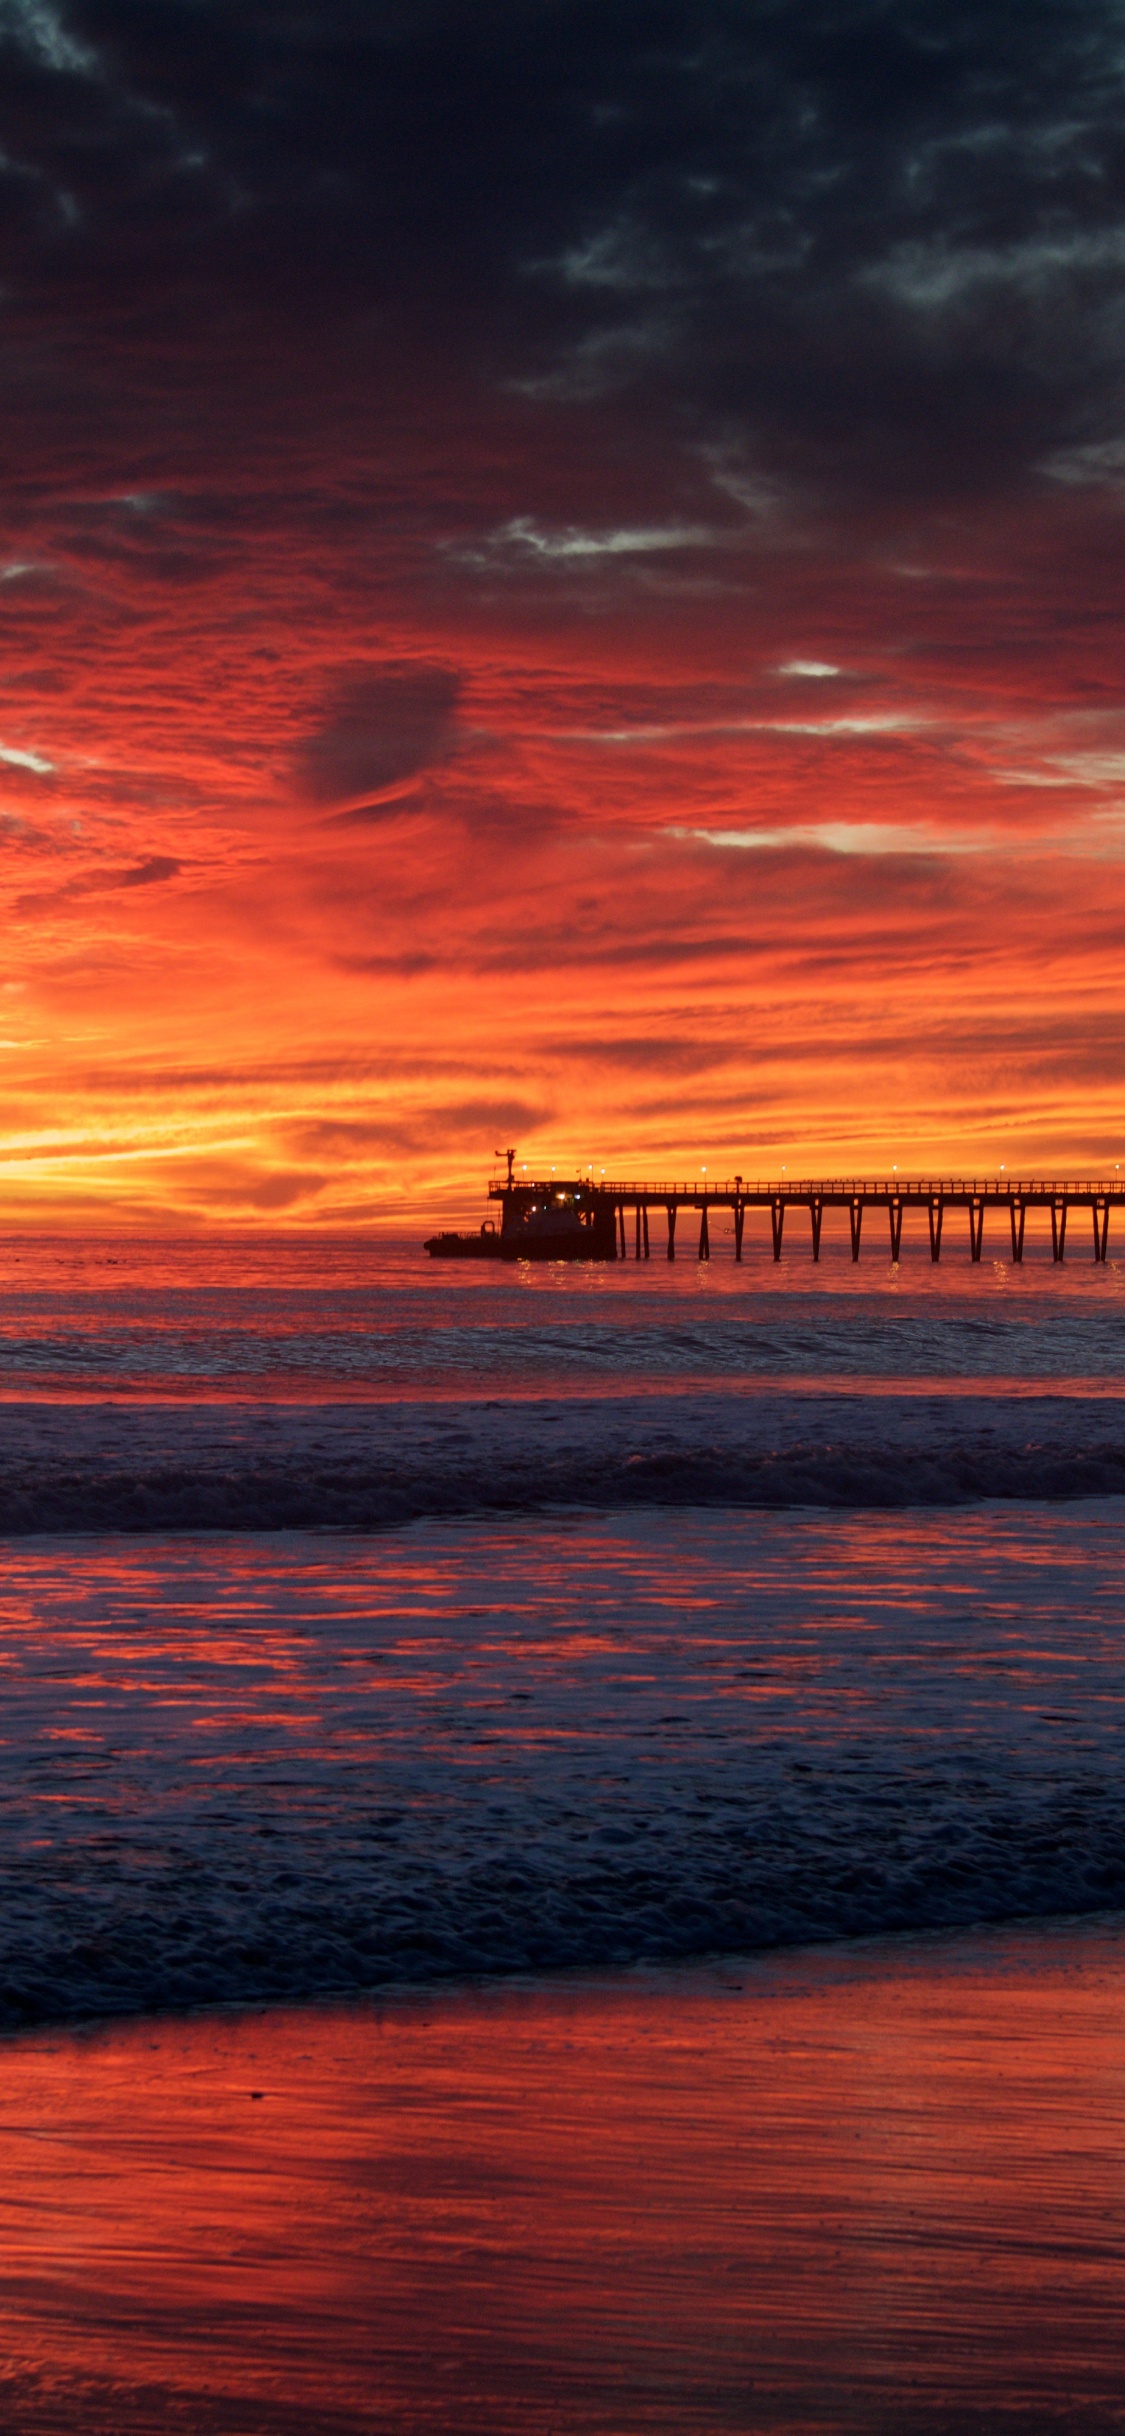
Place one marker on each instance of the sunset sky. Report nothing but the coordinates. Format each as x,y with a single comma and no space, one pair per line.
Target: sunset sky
561,583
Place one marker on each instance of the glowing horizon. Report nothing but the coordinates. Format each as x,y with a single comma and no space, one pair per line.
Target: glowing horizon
545,603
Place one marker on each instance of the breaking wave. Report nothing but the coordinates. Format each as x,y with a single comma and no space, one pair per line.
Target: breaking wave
824,1859
82,1468
237,1773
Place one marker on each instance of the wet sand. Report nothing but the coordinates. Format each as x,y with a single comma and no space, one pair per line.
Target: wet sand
879,2189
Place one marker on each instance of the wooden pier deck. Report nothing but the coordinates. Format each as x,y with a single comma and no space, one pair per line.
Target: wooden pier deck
813,1197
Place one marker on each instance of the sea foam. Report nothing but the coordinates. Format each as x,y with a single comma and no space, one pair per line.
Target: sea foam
140,1467
234,1769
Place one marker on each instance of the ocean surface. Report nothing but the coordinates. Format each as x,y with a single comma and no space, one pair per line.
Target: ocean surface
366,1621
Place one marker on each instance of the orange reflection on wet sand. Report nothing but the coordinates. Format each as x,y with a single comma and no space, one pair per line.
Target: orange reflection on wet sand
874,2190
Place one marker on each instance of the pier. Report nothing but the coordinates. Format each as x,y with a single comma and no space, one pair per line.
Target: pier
630,1209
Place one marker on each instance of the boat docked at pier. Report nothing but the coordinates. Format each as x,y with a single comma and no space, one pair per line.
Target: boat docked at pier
567,1218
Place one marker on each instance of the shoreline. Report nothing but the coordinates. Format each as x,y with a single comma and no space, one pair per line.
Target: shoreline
946,1947
863,2189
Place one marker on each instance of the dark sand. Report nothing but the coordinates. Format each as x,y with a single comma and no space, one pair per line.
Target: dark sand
877,2189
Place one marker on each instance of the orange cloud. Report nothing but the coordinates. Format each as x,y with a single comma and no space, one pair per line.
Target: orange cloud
505,627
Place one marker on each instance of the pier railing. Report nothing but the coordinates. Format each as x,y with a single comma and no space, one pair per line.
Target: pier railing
816,1194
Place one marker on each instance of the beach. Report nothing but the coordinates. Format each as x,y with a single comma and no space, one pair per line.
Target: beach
874,2189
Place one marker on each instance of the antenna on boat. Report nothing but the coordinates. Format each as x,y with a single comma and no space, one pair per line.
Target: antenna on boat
510,1156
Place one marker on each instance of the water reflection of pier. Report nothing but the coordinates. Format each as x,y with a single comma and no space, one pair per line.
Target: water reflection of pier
937,1198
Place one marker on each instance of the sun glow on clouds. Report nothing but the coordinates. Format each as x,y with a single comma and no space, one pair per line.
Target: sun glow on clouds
842,837
534,609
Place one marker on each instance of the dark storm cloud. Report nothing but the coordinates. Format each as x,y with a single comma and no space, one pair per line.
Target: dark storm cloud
150,874
847,247
379,728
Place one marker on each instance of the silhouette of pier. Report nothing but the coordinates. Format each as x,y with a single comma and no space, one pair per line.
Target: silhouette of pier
809,1200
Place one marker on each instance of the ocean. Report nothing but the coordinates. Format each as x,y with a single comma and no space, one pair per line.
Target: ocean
369,1622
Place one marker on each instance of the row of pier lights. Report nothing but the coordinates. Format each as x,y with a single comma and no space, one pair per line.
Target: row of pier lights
856,1195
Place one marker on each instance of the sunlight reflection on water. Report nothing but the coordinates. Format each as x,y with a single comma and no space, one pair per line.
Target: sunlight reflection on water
273,1766
352,1317
870,2194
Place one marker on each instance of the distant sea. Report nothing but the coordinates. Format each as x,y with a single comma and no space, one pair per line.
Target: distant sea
366,1620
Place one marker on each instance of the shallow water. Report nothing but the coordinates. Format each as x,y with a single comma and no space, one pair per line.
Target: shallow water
262,1767
876,2192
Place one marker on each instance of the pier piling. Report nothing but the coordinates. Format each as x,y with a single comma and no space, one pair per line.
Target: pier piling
894,1213
937,1213
855,1215
592,1218
816,1217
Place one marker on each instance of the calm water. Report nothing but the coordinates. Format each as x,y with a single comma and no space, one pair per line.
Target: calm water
351,1318
878,2191
366,1621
